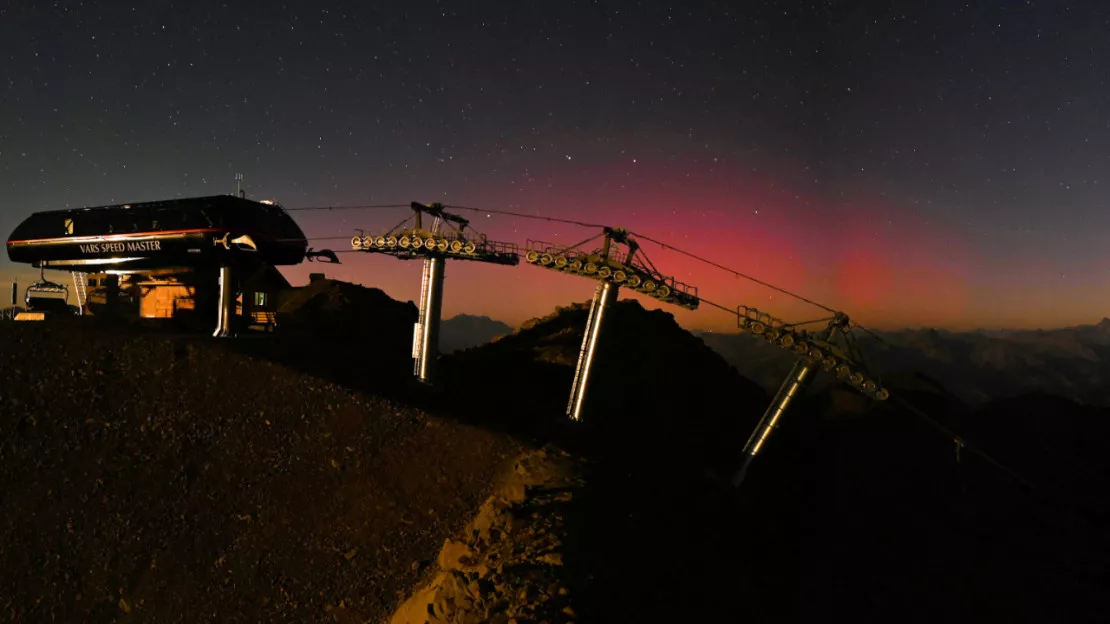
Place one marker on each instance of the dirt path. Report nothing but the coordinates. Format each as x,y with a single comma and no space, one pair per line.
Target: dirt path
172,480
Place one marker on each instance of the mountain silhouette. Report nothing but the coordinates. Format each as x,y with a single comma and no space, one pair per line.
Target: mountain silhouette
465,331
652,381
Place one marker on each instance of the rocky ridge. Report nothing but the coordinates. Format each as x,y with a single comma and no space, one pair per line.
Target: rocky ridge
508,565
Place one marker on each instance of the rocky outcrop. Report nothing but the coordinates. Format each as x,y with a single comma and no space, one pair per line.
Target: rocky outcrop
358,336
346,311
508,565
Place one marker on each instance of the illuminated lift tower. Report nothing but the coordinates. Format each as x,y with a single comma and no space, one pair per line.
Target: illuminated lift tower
434,247
814,351
612,269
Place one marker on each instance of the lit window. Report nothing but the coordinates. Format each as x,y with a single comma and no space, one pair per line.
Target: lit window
259,298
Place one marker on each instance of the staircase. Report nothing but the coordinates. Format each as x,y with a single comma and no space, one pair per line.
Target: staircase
80,287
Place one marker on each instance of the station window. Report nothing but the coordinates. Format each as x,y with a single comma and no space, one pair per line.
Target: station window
259,298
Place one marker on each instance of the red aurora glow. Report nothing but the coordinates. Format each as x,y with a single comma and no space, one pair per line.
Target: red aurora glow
869,256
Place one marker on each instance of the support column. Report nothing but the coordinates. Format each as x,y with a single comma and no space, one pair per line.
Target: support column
426,332
801,375
604,297
796,383
227,300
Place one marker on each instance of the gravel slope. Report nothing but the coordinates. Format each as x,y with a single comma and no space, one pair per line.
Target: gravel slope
171,479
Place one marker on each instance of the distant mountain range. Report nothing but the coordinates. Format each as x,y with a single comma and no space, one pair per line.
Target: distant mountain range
466,331
976,366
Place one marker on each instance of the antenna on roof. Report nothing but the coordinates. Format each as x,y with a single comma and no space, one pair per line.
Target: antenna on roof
239,186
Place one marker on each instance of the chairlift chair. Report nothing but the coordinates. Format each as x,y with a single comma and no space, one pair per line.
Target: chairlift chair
46,296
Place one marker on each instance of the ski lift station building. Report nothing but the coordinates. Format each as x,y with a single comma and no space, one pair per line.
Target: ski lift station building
208,257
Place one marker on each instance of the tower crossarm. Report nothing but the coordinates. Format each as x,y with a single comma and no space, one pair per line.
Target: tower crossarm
816,349
418,242
611,264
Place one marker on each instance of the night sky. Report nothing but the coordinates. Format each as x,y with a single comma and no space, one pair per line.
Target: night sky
912,163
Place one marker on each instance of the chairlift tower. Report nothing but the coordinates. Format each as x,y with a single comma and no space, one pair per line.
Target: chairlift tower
434,247
612,269
814,352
